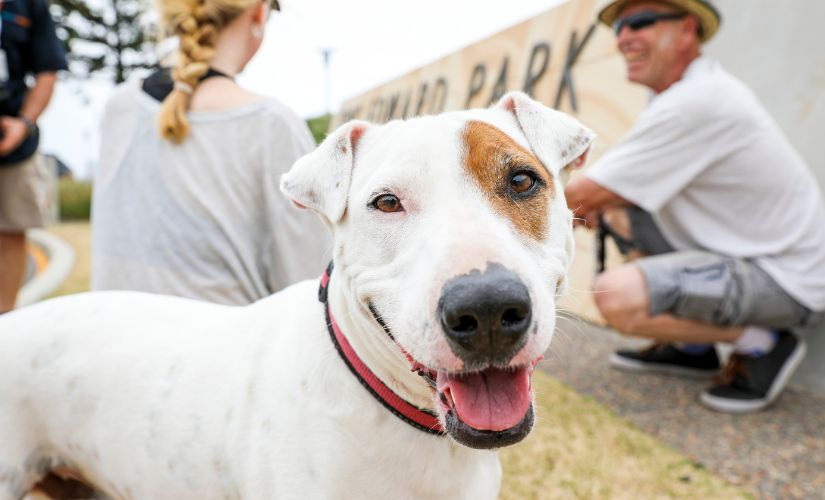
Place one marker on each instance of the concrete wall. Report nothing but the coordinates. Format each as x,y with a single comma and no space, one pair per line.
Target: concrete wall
778,49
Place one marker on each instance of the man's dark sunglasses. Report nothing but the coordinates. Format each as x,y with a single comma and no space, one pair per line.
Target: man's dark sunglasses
644,19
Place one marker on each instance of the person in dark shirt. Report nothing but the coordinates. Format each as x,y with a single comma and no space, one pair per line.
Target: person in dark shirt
29,47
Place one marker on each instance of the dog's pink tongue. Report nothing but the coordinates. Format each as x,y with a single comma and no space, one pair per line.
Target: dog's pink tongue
493,400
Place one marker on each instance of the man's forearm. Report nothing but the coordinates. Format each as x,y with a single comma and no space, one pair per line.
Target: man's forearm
38,97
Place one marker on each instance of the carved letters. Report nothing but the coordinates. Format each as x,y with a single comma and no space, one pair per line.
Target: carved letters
486,83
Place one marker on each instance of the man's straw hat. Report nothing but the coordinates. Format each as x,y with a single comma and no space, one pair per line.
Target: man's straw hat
709,18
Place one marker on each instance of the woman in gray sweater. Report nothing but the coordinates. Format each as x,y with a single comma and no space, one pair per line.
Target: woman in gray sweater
186,198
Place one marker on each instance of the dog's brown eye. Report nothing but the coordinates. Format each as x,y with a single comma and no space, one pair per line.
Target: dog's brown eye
522,182
388,203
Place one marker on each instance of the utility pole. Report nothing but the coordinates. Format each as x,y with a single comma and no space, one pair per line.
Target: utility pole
326,53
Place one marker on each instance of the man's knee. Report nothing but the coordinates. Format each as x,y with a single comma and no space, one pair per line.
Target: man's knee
621,297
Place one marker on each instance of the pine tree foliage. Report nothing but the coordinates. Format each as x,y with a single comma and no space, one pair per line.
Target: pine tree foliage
104,36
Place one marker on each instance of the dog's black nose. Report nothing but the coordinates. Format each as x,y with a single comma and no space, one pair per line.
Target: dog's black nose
485,315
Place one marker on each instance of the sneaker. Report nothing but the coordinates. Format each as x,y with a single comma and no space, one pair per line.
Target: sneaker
751,383
667,358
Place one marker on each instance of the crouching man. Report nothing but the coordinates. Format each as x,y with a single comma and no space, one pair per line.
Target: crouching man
727,215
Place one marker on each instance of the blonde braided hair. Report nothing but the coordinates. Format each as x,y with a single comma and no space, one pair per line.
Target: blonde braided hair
197,24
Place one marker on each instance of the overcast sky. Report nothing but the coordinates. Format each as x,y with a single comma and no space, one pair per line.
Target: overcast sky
371,42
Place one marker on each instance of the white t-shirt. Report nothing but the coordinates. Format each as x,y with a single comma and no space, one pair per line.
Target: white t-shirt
204,219
709,163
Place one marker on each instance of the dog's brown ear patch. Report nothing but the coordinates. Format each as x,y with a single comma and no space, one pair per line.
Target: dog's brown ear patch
491,158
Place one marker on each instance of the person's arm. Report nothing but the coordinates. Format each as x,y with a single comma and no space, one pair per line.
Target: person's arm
16,129
39,96
587,200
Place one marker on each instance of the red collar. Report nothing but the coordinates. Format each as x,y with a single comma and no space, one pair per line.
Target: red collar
422,419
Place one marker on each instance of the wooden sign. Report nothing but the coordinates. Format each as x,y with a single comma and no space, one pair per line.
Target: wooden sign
560,57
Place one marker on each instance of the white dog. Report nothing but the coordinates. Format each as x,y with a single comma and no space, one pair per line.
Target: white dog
452,243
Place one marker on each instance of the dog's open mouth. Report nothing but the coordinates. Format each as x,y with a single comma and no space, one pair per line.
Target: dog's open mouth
487,409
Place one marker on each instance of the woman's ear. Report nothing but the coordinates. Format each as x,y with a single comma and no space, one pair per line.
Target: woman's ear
260,15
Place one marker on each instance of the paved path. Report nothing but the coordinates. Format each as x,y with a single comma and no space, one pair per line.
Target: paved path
50,262
778,453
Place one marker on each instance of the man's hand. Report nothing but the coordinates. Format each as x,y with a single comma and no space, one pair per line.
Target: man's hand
588,200
15,131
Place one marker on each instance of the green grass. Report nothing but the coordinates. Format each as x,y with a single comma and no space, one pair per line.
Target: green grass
578,448
75,199
319,126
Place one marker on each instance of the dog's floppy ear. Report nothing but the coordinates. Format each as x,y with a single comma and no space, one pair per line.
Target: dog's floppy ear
558,139
320,180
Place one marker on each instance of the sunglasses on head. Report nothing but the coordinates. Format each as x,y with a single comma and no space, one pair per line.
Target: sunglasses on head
644,19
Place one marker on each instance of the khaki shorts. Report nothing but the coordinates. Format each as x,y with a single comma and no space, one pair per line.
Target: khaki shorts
25,195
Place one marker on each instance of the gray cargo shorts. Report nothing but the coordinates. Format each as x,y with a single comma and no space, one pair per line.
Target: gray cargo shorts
711,288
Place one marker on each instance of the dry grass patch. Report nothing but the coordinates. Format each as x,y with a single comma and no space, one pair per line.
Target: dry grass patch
79,236
580,449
